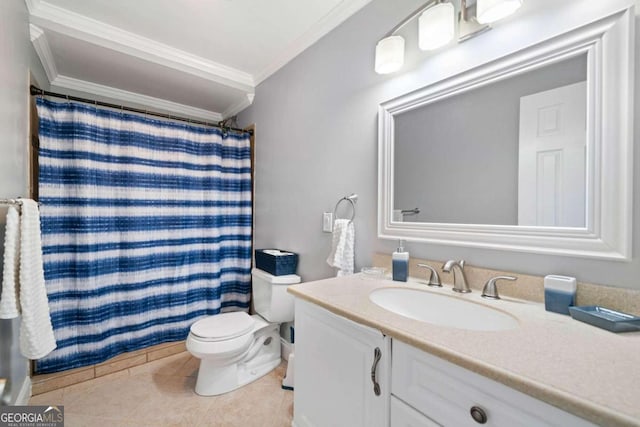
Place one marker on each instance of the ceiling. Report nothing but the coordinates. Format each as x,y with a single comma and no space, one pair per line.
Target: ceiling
201,59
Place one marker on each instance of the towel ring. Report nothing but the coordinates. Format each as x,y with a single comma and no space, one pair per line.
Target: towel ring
353,207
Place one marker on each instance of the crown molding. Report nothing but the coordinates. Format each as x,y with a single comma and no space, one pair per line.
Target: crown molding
78,26
32,5
41,46
46,16
122,96
246,101
330,21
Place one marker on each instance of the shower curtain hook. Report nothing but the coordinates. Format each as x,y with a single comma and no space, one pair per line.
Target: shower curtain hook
223,128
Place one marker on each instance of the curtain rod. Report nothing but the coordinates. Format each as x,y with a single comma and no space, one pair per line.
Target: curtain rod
35,91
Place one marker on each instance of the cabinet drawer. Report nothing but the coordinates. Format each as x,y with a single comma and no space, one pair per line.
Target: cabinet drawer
446,393
403,415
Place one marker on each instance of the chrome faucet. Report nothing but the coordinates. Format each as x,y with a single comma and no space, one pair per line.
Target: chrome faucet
459,279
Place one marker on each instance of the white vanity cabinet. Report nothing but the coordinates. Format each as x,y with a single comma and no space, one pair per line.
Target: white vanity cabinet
334,383
334,361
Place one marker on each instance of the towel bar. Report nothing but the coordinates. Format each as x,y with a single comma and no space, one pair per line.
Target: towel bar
10,202
16,202
406,212
353,198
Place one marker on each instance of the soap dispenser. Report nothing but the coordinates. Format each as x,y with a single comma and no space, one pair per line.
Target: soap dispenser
400,264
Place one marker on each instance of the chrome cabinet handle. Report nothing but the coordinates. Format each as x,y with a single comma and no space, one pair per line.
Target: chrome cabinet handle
478,414
377,355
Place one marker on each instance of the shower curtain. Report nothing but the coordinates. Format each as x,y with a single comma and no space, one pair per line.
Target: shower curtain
146,227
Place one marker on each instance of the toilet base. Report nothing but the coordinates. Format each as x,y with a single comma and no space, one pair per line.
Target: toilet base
214,379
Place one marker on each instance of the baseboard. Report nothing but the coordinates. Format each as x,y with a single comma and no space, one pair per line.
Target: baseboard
43,383
285,348
25,393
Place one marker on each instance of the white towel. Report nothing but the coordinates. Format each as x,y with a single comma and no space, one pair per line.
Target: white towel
9,308
342,246
36,333
397,215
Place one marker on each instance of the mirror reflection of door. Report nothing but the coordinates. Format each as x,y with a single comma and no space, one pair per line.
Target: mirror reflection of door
552,157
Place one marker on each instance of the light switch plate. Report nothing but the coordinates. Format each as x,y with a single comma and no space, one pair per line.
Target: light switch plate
327,222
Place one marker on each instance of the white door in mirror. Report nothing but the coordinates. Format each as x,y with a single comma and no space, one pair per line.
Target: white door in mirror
552,157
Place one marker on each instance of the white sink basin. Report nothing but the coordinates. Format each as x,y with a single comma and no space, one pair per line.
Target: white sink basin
442,310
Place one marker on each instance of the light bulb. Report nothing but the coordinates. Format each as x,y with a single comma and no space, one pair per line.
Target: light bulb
389,54
436,26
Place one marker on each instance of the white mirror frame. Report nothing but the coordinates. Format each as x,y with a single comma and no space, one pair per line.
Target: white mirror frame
608,44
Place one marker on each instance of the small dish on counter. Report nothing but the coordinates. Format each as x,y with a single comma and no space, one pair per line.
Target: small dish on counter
605,318
373,272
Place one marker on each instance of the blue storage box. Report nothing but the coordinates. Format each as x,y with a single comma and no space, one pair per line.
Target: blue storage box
276,261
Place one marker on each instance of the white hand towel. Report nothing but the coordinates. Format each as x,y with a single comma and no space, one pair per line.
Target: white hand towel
9,308
36,333
342,247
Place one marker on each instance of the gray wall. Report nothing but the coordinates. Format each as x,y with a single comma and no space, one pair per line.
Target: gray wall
18,58
316,141
441,149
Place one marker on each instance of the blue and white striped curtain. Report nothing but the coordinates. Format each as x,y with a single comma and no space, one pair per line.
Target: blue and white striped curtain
146,227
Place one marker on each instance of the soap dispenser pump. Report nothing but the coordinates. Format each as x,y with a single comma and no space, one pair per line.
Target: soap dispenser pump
400,263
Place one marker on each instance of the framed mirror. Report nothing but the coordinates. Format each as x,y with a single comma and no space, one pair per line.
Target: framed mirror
531,152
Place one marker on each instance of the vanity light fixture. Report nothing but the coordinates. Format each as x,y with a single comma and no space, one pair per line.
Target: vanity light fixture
493,10
437,27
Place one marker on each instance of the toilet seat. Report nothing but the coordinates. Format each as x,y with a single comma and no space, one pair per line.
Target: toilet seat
223,327
227,335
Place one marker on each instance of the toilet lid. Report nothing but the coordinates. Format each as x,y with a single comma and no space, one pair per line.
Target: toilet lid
223,326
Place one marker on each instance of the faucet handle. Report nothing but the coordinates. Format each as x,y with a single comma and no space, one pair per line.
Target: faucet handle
433,279
491,290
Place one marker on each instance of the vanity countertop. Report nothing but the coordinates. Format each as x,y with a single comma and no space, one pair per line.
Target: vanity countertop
590,372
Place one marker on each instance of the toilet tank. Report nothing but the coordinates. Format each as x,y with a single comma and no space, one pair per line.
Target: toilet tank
270,297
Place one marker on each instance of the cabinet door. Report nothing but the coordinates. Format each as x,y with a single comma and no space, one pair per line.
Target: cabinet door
333,366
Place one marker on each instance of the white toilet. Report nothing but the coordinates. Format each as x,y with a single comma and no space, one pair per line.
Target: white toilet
236,348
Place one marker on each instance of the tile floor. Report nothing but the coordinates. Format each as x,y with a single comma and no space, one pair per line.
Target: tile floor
161,393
